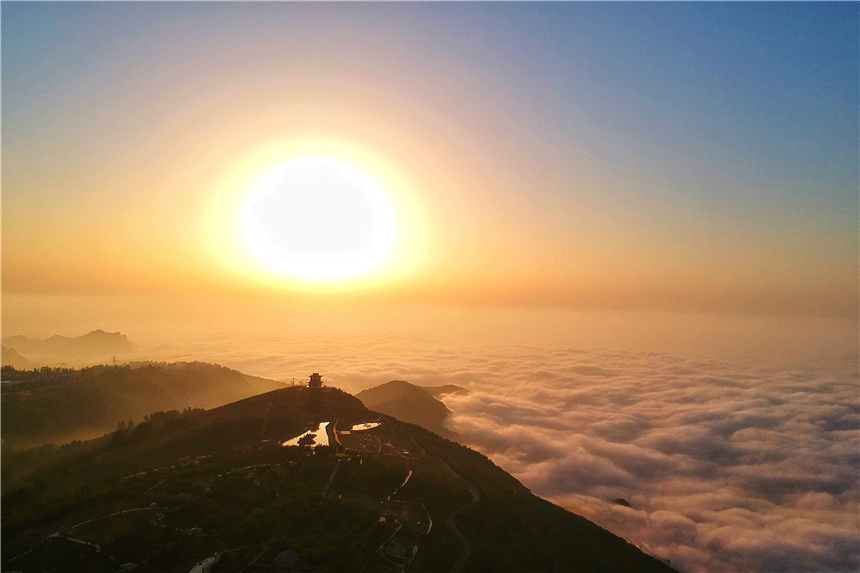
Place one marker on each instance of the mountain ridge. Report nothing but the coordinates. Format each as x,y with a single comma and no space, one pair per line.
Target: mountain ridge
437,391
409,403
56,349
61,404
11,357
383,494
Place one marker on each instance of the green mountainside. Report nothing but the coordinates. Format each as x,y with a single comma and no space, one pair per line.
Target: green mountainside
217,490
62,404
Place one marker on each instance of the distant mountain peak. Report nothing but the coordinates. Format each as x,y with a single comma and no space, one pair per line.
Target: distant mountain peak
101,334
10,357
437,391
94,346
408,403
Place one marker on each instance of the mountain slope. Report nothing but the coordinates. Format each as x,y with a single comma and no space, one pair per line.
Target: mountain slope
11,357
409,403
393,496
64,404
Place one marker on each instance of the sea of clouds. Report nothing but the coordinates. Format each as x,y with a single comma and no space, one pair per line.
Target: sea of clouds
728,466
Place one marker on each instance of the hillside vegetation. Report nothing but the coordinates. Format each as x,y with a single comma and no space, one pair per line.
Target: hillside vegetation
384,496
61,404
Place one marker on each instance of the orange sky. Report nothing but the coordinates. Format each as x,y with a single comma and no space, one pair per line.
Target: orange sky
124,163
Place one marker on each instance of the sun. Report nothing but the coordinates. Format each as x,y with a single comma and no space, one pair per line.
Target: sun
318,219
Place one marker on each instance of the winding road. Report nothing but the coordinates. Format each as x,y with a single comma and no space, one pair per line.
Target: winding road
452,523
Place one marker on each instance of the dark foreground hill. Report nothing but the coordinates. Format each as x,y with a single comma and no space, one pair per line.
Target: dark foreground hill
384,496
61,404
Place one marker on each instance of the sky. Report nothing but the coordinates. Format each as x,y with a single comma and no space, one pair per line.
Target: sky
668,157
630,229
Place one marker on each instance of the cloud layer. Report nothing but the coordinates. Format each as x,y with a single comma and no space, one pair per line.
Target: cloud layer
728,467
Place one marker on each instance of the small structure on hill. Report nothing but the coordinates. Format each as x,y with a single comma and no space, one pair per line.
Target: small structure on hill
315,381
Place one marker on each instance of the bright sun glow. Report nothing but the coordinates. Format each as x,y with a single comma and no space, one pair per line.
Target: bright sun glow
318,218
